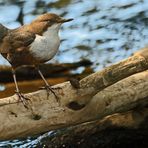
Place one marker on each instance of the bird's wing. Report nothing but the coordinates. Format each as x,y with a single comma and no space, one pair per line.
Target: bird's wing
17,41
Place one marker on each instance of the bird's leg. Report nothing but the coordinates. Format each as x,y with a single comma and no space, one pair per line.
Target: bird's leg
22,98
47,86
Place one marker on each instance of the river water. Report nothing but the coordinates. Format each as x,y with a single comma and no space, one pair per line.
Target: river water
103,31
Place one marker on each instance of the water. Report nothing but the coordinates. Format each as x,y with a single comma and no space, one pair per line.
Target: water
103,31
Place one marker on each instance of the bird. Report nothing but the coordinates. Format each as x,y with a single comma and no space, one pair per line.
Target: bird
32,44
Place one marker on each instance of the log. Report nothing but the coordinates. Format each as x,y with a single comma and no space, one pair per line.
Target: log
117,88
104,132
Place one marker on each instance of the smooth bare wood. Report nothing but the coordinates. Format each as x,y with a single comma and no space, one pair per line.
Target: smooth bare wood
78,105
46,114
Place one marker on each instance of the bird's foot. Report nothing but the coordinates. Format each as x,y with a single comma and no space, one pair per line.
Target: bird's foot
49,90
23,99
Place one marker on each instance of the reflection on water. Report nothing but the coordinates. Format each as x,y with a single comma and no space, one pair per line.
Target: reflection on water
102,31
29,143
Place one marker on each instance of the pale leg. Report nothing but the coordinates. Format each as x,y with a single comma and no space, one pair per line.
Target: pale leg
22,98
47,86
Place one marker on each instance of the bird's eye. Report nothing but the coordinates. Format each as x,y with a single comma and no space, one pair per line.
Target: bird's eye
50,22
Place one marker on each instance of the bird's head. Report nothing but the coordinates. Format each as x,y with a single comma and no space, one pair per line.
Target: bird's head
53,20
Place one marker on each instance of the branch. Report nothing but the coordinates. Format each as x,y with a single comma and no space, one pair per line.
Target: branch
78,105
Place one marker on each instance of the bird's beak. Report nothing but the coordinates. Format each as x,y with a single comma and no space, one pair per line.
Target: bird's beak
65,20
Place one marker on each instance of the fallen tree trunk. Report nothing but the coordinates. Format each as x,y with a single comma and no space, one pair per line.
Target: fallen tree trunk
102,133
78,105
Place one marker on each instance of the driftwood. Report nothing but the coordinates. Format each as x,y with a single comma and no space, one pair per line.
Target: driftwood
118,88
124,128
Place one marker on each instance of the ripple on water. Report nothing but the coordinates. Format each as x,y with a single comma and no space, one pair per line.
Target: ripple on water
100,25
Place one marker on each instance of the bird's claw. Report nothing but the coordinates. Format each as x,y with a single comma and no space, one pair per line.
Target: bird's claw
23,99
49,90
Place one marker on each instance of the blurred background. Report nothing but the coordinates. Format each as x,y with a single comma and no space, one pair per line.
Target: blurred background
103,32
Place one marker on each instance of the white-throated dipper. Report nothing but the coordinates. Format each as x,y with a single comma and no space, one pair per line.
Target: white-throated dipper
31,44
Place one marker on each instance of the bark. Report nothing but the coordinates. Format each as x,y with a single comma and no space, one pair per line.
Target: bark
118,88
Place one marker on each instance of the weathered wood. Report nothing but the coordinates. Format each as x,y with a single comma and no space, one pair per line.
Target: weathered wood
78,105
80,134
